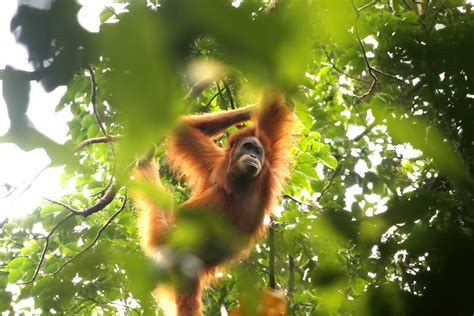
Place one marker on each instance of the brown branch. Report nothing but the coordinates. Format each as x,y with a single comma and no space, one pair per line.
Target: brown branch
99,205
369,67
94,101
364,133
364,54
331,180
271,256
312,206
212,99
45,249
386,74
96,140
229,94
339,70
96,238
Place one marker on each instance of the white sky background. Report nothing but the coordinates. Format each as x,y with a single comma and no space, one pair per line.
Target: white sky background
19,168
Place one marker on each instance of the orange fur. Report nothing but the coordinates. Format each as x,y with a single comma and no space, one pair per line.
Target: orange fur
192,154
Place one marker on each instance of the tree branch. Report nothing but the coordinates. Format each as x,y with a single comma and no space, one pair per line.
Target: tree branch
96,140
340,70
212,99
271,256
45,249
229,94
96,238
311,206
94,101
99,205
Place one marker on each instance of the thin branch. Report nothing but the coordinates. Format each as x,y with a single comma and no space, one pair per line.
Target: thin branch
97,303
366,6
94,101
96,238
219,90
364,54
45,249
229,94
364,133
96,140
212,99
271,256
33,180
340,70
331,180
435,15
311,206
386,74
339,167
99,205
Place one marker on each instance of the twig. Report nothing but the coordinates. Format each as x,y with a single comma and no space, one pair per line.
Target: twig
94,101
96,302
339,167
212,99
364,54
271,256
331,180
312,206
364,133
96,238
219,90
435,15
45,249
366,6
369,68
386,74
33,180
99,205
229,94
96,140
340,70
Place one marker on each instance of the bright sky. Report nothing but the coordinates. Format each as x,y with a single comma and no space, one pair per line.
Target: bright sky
18,168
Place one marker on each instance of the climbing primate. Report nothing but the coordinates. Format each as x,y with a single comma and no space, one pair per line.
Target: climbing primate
239,184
